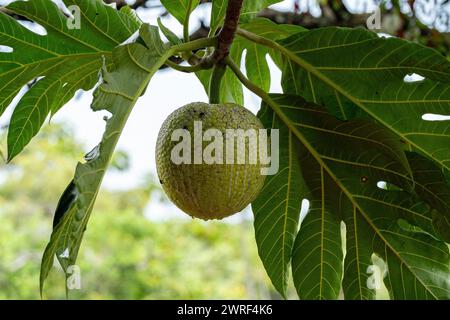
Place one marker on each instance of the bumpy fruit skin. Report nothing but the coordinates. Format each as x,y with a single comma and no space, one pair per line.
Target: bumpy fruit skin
208,191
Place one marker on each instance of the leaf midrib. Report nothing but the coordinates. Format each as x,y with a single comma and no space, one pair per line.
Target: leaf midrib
322,230
288,193
357,251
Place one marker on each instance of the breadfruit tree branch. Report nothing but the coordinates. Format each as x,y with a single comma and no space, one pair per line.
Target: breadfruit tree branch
226,35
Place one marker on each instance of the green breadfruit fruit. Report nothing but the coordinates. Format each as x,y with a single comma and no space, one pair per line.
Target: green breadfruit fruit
215,190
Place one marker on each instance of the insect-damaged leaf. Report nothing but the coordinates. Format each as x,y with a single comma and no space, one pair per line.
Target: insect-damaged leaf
341,163
355,73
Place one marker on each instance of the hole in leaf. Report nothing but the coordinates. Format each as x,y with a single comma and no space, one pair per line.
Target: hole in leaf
62,6
10,108
377,272
275,75
65,254
33,27
114,4
133,38
384,35
93,154
388,186
6,49
34,81
382,185
435,117
413,77
304,209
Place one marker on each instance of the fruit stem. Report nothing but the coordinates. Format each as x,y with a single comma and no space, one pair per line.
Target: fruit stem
194,45
186,69
214,85
188,55
255,89
188,47
226,35
186,22
246,82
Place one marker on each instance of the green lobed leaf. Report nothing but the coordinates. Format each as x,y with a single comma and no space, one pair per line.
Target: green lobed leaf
134,65
180,9
341,163
268,29
355,73
276,209
317,254
431,185
358,258
251,8
172,37
256,65
63,61
424,269
257,68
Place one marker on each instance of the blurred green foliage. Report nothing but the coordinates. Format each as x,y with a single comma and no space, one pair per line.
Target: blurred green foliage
124,255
